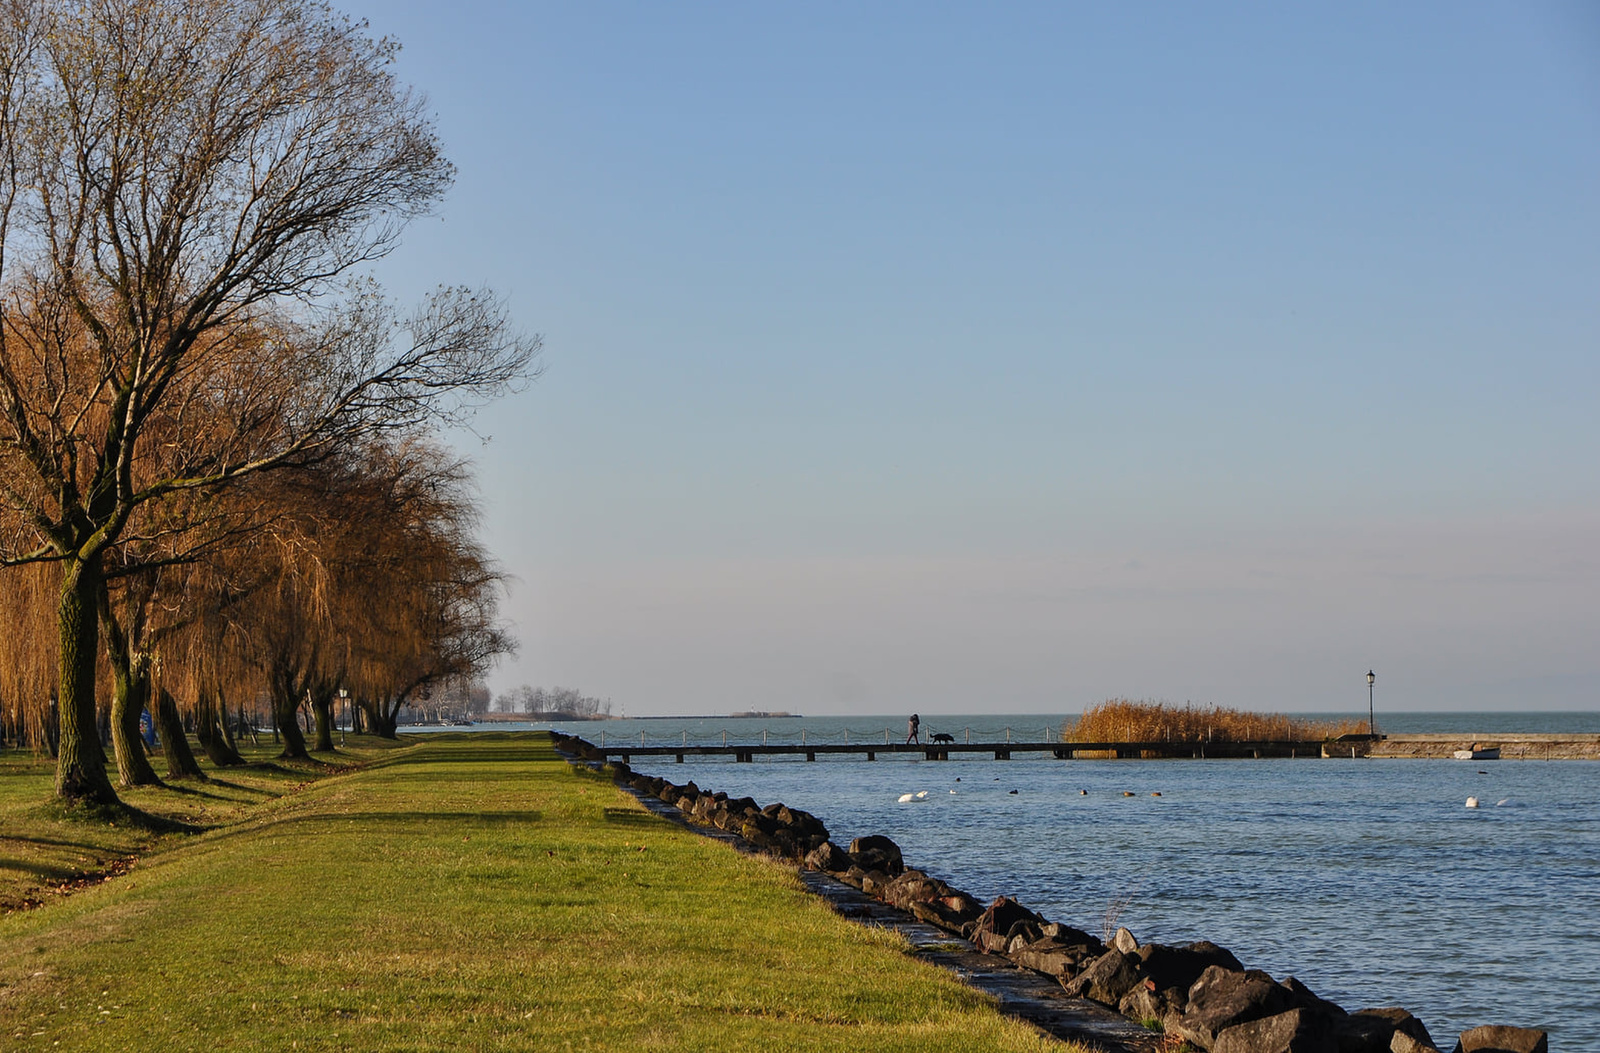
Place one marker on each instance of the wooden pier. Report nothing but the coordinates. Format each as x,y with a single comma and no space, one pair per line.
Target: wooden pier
746,753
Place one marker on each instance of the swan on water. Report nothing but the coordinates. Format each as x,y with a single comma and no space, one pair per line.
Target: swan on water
909,798
1472,802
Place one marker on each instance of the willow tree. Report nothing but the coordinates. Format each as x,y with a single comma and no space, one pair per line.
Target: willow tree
427,590
377,585
186,190
28,657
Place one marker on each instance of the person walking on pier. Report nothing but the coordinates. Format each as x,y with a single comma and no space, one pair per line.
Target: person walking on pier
911,729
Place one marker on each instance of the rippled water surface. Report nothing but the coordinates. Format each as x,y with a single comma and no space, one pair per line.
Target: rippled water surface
1368,880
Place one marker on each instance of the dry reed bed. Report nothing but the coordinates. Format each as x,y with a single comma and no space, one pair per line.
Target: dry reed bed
1123,720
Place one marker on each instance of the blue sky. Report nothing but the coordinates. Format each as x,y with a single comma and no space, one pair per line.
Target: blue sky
1013,357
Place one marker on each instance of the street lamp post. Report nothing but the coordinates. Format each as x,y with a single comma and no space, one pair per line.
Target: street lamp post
1372,724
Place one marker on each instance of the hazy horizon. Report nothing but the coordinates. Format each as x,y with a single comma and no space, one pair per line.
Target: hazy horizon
907,357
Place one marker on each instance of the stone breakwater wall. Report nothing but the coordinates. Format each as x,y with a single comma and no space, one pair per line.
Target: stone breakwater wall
1522,746
1197,993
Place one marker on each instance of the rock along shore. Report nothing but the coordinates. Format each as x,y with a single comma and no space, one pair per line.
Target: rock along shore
1195,993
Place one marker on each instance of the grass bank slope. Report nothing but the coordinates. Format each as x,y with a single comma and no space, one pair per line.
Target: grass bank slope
471,892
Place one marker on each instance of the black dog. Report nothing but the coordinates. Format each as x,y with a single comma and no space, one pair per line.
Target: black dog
941,737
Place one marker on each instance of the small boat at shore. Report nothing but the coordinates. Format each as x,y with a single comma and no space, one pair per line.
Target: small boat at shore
1478,752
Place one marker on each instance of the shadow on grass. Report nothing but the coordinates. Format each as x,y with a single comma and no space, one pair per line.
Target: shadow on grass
379,820
478,756
52,842
195,790
43,873
395,818
121,812
243,788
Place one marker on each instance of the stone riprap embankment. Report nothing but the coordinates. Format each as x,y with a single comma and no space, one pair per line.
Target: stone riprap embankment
1521,746
1198,993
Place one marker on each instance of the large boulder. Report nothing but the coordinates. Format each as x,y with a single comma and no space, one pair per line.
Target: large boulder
1297,1031
875,882
956,912
1021,934
1181,966
1072,937
1498,1038
828,858
1107,978
913,886
1150,1005
876,852
751,831
781,842
1302,997
1374,1031
1054,956
1401,1042
1223,998
995,926
805,825
767,825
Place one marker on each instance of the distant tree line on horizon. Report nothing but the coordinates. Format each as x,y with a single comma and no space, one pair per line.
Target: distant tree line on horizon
556,702
221,488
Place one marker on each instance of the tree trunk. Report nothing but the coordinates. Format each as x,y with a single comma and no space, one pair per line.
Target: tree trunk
130,694
322,710
52,729
174,743
227,725
383,723
80,762
247,726
285,714
211,730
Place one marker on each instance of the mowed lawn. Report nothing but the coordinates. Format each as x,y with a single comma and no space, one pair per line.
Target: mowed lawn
467,892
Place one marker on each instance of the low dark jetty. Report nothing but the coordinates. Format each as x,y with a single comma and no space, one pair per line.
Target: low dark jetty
746,753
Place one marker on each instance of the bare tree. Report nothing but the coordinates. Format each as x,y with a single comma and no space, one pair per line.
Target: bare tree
185,189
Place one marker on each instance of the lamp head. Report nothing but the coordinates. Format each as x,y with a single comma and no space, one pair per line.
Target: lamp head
1370,676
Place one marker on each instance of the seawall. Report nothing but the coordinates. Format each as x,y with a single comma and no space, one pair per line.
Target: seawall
1519,746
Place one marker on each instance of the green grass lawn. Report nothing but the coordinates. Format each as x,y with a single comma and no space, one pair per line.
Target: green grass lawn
467,892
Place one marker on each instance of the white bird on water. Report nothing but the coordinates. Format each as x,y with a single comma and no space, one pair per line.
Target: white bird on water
909,798
1472,802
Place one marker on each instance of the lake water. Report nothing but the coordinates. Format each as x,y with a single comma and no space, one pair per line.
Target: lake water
1368,879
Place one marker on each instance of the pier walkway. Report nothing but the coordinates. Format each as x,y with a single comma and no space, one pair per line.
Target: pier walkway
941,751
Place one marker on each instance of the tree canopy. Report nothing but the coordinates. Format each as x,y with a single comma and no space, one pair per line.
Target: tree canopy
188,194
